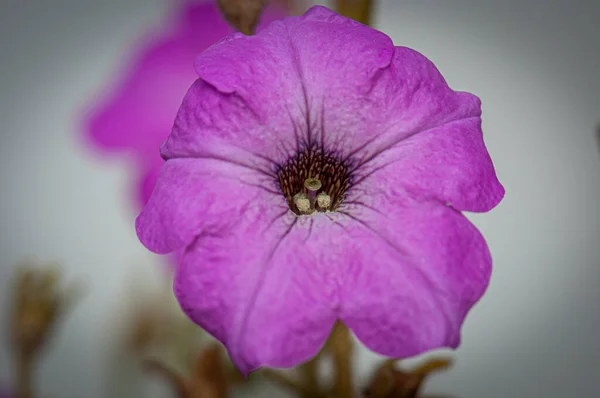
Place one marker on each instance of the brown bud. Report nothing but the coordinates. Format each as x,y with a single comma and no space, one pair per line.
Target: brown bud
243,15
359,10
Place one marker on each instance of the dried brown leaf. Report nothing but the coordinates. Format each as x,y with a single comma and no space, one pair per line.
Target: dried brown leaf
390,382
209,378
38,302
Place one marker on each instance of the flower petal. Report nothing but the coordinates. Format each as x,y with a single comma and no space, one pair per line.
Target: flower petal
449,163
218,116
275,83
147,180
320,78
414,271
261,289
406,98
194,195
137,115
213,123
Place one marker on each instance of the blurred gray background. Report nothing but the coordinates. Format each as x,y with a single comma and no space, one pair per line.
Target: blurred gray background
535,65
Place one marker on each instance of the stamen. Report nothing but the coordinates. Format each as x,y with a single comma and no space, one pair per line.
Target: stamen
302,202
323,200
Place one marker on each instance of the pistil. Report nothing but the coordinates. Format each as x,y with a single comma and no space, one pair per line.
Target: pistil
312,185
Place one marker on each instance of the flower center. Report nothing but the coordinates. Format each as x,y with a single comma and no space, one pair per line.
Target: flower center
313,181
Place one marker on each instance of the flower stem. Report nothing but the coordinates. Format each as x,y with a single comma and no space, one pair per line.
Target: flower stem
310,378
24,377
342,350
359,10
174,379
285,382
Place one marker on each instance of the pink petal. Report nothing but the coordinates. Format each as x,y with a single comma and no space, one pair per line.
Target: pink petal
138,113
279,79
414,270
320,78
449,163
262,287
408,97
147,181
217,124
193,195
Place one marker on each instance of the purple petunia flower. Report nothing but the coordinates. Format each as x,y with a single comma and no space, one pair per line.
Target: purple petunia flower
316,172
137,117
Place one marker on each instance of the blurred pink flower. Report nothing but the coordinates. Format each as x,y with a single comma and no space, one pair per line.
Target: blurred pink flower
137,116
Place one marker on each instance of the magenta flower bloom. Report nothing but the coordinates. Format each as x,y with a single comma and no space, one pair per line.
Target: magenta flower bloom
316,172
138,116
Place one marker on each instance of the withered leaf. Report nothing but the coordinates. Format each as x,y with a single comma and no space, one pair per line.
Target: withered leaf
390,382
209,378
